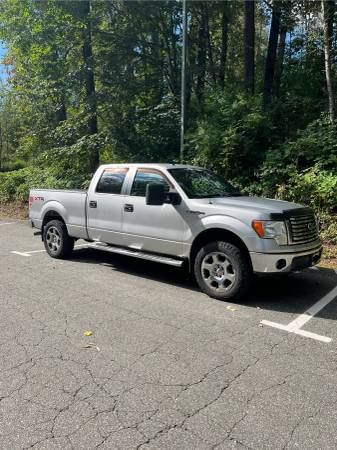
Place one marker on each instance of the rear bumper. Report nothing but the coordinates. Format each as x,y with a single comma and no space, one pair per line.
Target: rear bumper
285,262
35,223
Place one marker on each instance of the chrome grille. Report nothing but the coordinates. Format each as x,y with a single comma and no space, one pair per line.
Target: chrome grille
302,229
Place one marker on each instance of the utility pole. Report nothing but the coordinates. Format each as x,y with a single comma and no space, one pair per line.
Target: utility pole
1,143
183,85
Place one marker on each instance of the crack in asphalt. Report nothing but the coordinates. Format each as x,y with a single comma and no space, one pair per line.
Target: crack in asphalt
53,390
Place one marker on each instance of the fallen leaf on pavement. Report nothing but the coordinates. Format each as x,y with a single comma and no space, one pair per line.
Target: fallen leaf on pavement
231,308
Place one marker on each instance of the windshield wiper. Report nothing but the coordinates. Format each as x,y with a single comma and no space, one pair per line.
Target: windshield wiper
223,194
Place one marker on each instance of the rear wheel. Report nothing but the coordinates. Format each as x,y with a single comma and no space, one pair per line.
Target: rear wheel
57,241
223,271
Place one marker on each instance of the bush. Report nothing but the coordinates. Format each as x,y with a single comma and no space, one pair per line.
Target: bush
232,136
315,146
312,187
328,225
146,134
15,185
72,163
315,188
9,166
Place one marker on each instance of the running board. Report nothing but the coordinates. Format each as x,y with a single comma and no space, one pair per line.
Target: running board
138,254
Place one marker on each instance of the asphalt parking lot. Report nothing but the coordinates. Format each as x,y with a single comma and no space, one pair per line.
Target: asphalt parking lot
166,367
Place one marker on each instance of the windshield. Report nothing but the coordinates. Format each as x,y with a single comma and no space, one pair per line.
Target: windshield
200,183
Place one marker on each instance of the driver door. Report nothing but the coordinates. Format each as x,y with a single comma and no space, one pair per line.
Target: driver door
153,228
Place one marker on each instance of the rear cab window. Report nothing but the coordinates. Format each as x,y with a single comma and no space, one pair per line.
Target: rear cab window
144,177
111,181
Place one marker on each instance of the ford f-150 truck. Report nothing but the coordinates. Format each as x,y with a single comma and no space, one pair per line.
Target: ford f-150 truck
180,215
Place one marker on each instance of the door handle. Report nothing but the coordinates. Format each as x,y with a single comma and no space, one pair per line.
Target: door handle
92,204
128,208
194,212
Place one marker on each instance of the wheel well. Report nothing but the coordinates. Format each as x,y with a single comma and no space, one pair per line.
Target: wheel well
215,234
51,215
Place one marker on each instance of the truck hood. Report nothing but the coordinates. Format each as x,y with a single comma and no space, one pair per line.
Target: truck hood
256,204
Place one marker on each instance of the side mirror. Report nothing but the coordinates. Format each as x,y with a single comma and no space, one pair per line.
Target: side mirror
155,194
174,198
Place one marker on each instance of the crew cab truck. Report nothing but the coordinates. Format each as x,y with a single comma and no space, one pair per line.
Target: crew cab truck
180,215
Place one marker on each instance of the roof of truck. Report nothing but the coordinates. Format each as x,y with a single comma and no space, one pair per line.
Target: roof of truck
153,165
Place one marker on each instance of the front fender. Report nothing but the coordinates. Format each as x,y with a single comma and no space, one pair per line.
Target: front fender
227,223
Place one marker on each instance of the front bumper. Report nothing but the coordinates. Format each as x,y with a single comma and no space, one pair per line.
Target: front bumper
285,262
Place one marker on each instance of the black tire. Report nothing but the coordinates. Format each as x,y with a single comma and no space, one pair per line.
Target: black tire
223,271
57,242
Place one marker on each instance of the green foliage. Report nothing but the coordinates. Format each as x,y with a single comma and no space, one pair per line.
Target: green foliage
287,150
71,162
302,168
315,145
313,187
328,225
148,134
15,185
232,136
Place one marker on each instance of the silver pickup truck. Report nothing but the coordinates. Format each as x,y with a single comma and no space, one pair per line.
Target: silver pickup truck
180,215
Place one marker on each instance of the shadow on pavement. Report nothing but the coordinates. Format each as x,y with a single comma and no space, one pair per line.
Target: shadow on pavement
293,293
296,292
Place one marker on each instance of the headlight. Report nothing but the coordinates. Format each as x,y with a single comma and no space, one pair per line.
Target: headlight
267,229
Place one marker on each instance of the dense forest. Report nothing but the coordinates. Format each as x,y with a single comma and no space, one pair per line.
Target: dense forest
91,82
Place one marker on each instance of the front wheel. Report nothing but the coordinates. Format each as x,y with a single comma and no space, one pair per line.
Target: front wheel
223,271
57,241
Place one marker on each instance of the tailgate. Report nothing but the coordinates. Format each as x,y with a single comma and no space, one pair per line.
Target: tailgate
35,201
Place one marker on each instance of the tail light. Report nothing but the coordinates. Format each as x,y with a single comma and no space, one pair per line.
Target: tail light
30,201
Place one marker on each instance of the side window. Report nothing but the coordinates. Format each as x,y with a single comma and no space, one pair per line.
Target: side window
111,181
143,178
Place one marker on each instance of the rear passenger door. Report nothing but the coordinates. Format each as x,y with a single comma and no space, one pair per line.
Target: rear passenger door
104,207
156,228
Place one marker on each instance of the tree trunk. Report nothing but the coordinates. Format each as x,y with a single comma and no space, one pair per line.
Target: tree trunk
201,55
328,33
271,55
175,64
168,42
210,49
190,58
331,11
224,44
280,60
249,46
159,66
90,83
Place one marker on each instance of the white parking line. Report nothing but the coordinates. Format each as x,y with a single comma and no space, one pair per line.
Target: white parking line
6,223
29,253
21,253
296,325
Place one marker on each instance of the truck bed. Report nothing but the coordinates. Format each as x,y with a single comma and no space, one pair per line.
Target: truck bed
83,191
71,202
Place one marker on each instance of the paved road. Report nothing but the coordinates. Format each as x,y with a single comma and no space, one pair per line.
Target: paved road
166,367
